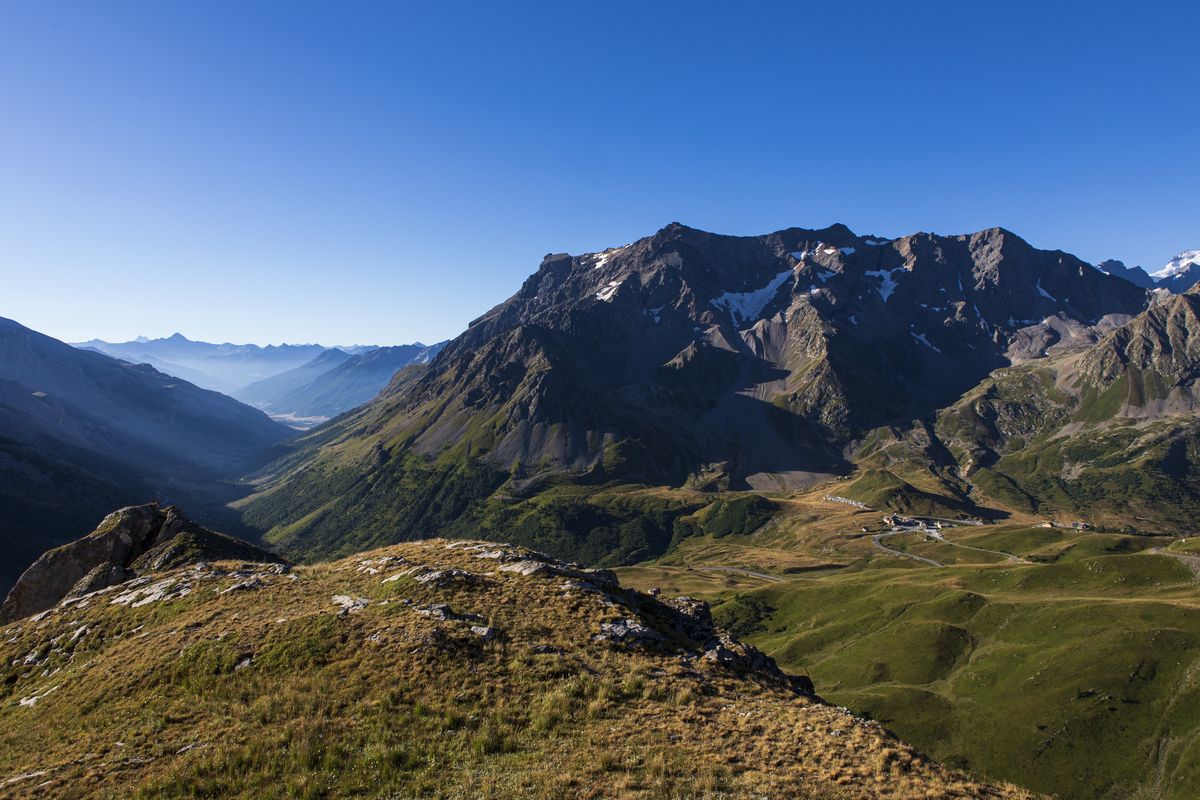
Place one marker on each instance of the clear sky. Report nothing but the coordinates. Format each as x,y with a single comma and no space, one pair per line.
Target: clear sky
350,172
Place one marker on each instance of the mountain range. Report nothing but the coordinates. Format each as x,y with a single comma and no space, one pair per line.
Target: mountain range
295,384
710,362
220,367
333,382
1180,273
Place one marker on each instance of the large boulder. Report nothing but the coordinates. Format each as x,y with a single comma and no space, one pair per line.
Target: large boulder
128,542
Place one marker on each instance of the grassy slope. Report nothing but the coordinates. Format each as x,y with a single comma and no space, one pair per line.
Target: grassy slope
1078,675
1023,439
269,692
1074,670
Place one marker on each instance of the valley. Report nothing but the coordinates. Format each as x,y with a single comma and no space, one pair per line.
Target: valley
298,385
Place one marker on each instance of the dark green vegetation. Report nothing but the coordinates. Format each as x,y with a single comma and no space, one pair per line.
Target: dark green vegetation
737,515
410,497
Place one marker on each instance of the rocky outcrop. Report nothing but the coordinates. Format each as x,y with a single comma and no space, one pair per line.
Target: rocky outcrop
693,619
128,542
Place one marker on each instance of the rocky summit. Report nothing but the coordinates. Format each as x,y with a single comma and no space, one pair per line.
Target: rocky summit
129,544
433,669
762,355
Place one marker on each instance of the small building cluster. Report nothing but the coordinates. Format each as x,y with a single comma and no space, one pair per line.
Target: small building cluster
833,498
1079,526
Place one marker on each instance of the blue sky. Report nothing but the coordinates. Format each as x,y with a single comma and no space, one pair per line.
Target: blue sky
384,172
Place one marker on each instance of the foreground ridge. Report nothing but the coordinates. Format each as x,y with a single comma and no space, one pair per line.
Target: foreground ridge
444,668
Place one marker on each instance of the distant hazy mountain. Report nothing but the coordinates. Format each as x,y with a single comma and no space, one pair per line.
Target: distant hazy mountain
333,382
223,367
1135,275
267,393
81,431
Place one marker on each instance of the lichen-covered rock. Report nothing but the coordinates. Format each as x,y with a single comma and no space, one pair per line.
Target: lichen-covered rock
628,631
443,578
443,612
348,604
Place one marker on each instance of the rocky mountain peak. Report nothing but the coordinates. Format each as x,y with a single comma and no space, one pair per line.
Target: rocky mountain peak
763,353
128,541
1180,273
1135,275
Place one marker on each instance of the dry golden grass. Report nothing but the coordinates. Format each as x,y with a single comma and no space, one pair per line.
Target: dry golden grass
269,692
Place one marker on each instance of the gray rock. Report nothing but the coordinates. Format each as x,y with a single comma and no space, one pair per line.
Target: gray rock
128,542
694,617
627,631
100,577
442,611
348,604
485,632
444,578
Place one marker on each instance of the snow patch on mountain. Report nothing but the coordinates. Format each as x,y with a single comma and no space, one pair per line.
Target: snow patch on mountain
1043,292
603,257
606,294
748,306
920,337
887,282
1178,265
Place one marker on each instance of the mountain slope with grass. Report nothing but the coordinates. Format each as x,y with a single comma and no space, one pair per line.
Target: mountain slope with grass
1059,658
1107,434
1073,673
507,674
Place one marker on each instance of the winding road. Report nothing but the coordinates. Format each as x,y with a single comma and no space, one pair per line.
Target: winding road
1009,556
739,571
878,540
879,537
